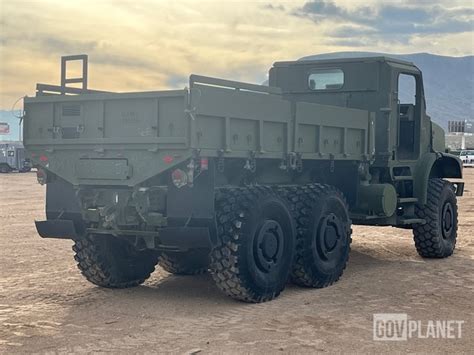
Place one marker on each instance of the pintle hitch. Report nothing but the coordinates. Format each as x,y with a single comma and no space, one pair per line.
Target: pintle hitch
294,162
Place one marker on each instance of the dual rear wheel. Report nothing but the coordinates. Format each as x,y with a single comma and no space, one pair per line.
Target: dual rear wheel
193,262
266,236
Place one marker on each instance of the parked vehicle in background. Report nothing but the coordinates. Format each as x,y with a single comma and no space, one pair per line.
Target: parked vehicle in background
13,158
467,158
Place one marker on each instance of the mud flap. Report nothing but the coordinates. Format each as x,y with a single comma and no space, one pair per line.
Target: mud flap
57,228
192,203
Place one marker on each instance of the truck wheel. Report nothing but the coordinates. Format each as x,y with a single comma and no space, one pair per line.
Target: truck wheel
252,259
323,234
437,237
110,262
193,262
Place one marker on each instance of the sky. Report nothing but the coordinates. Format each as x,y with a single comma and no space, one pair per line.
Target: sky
149,45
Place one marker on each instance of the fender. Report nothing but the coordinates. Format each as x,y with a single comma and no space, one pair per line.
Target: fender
432,165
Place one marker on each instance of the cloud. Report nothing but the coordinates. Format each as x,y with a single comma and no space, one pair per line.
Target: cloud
349,42
394,22
344,31
323,8
51,45
270,6
177,81
152,45
139,46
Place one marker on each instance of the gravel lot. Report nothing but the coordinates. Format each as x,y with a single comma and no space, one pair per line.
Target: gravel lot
46,305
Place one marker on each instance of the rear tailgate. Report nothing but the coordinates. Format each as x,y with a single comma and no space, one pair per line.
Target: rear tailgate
108,138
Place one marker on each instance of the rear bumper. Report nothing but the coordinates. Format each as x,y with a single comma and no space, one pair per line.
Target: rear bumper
168,238
57,228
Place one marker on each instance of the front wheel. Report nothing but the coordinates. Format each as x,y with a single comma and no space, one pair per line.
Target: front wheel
256,234
108,261
437,237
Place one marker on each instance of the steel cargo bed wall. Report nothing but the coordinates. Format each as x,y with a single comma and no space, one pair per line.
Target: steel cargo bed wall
130,129
237,121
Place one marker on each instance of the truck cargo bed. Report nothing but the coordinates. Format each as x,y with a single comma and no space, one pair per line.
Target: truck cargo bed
111,138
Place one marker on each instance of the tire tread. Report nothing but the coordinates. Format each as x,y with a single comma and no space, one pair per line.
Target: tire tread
428,241
302,198
231,205
92,261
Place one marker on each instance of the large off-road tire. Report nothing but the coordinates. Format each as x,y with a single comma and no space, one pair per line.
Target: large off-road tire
193,262
323,234
108,261
252,259
437,237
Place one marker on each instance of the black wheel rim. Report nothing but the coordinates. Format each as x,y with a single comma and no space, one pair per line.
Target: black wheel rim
268,245
447,220
331,233
329,241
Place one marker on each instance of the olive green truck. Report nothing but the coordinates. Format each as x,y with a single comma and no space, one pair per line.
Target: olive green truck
256,184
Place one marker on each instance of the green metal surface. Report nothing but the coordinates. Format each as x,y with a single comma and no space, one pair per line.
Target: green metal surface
380,199
351,131
109,169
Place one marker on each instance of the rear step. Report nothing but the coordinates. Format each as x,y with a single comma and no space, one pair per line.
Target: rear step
414,220
407,199
403,178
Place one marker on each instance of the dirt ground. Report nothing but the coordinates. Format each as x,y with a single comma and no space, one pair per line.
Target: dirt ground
46,306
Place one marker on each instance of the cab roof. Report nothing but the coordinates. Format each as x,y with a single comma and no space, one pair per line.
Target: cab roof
344,60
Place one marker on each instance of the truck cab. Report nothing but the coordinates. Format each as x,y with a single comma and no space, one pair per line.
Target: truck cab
391,88
407,142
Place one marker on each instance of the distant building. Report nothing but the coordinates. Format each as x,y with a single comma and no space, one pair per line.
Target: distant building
4,128
460,135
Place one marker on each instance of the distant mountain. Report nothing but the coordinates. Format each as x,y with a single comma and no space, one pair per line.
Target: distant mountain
8,117
448,82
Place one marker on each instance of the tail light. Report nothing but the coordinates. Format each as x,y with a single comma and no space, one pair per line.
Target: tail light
179,177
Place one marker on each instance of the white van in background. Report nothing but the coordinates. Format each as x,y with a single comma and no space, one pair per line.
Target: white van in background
467,157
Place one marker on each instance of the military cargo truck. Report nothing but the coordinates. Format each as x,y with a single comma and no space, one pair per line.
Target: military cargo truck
257,184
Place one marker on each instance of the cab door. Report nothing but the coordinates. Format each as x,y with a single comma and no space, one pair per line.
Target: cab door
409,114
